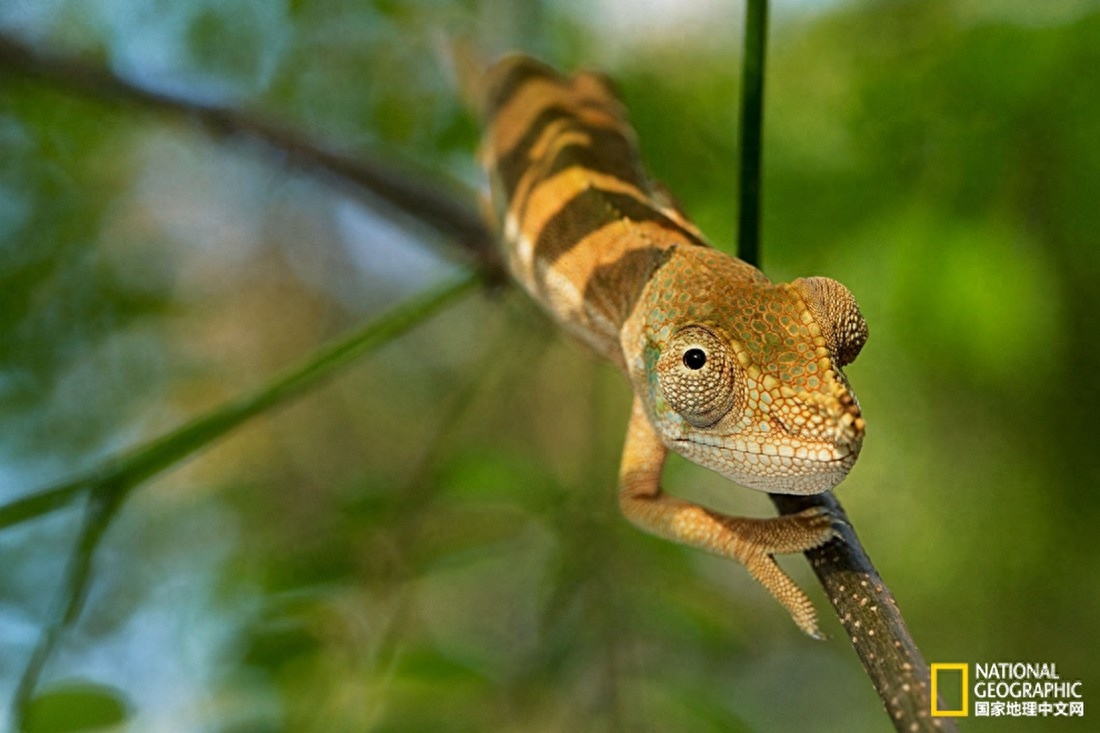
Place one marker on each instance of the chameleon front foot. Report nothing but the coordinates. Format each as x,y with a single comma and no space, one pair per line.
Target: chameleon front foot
751,541
782,535
754,542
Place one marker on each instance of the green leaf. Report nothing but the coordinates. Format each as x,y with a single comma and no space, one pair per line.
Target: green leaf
76,705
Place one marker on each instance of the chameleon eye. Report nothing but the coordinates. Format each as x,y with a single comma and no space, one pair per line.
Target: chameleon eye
695,358
700,396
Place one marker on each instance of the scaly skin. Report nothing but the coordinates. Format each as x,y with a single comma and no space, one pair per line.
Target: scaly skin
734,372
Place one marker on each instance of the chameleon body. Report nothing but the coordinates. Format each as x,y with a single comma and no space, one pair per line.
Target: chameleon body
734,372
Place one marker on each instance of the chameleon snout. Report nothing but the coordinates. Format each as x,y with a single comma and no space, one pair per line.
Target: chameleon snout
838,420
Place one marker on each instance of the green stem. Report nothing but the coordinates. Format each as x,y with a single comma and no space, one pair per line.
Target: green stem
752,122
102,507
123,472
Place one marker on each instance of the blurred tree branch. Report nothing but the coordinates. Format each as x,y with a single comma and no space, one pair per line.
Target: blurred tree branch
863,603
429,202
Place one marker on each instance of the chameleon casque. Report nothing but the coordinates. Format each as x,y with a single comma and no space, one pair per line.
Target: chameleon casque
734,372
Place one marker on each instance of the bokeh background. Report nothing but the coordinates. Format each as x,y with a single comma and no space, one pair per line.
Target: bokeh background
431,542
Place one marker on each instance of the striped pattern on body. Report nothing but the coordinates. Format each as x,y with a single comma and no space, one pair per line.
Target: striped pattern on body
583,225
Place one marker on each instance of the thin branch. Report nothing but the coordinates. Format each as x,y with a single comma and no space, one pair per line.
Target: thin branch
863,603
752,124
872,621
121,473
101,509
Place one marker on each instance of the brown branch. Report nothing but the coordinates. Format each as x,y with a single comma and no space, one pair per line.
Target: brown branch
872,621
428,202
863,604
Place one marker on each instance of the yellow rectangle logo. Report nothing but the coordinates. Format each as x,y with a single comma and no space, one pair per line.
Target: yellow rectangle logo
962,668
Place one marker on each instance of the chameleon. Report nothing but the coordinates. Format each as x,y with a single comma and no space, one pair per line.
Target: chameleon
736,373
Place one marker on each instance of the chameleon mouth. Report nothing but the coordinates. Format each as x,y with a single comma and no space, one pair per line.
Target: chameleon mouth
820,453
807,469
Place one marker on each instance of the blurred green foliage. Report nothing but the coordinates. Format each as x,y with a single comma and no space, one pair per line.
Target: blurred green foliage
432,542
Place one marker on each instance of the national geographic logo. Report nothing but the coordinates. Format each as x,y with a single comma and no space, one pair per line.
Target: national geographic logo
1004,689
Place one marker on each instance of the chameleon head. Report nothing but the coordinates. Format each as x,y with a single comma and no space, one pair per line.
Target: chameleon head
743,376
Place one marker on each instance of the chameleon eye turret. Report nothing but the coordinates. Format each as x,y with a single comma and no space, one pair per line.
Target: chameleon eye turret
730,370
696,375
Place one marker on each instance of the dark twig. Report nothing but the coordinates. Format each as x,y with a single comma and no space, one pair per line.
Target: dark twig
863,603
872,621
